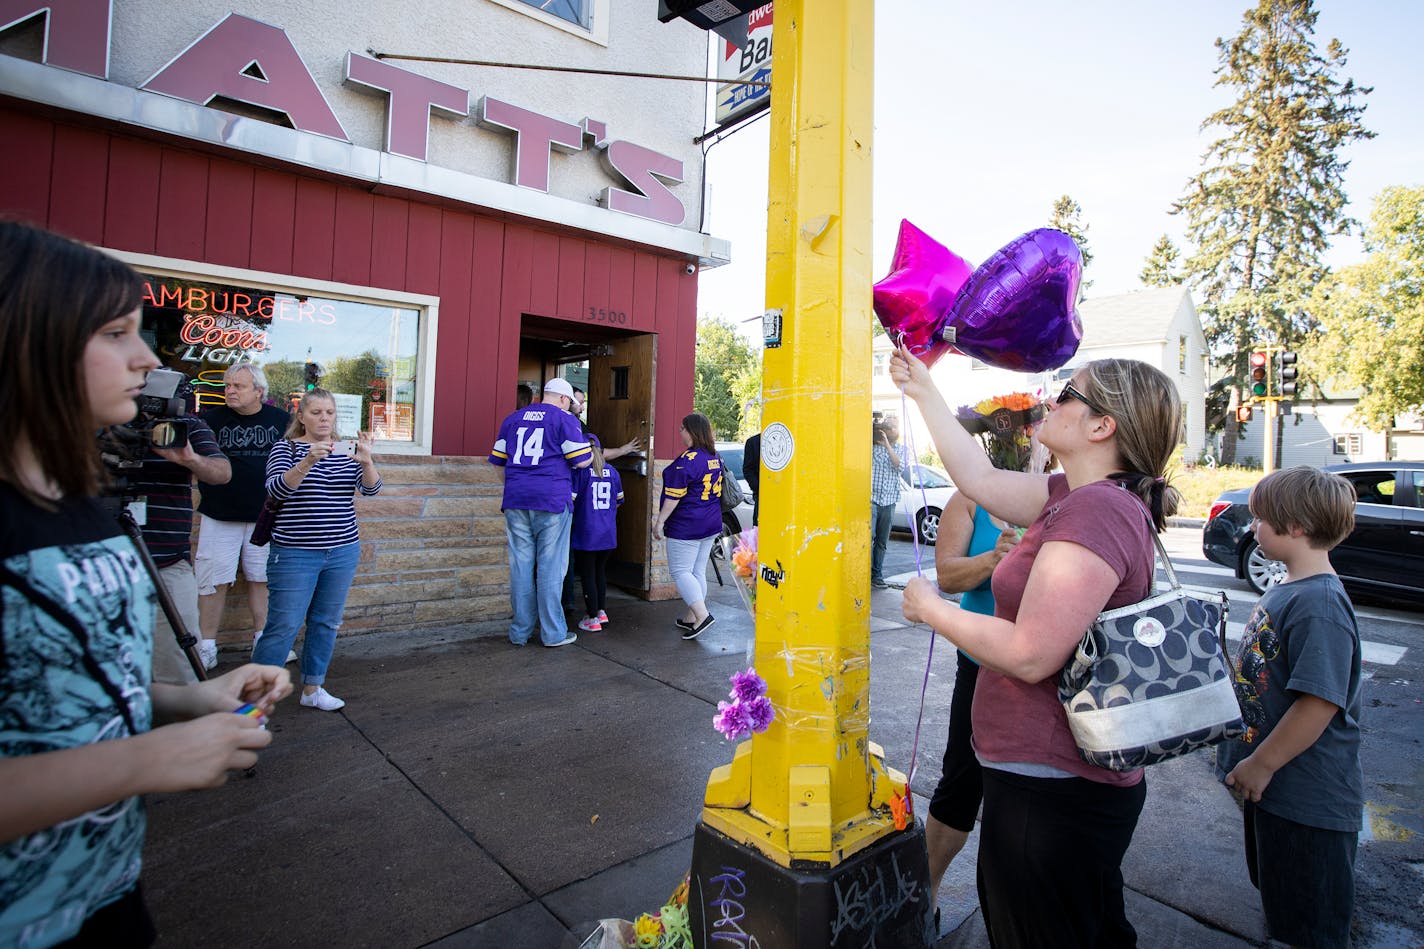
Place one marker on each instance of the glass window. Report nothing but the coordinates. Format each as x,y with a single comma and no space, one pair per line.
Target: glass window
1348,443
575,11
881,364
365,353
587,19
1372,487
1181,354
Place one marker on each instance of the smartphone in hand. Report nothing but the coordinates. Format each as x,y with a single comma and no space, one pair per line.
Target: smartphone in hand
346,446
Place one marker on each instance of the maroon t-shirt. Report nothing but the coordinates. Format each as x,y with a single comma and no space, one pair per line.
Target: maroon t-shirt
1015,721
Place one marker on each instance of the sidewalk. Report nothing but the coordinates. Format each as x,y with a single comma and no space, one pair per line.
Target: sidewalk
475,794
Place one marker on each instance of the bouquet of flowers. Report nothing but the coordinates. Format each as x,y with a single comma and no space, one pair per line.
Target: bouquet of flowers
668,928
749,711
741,553
1002,424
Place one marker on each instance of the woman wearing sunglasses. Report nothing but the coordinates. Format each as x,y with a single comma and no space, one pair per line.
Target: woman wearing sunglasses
1054,828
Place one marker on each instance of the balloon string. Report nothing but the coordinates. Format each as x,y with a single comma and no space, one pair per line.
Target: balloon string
919,572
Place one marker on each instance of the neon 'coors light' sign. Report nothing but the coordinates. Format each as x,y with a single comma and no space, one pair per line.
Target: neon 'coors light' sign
249,61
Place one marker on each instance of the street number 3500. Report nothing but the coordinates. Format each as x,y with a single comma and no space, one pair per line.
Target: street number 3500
598,314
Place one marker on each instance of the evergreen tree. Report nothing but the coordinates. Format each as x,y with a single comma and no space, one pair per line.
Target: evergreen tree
1160,268
1373,320
1065,217
724,364
1270,197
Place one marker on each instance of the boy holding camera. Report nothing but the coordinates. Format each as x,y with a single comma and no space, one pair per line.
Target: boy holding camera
1297,768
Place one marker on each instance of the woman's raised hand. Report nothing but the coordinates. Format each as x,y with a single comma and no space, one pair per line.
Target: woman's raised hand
910,374
363,447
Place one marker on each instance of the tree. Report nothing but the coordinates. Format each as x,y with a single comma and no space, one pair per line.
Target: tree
1065,216
1270,196
728,374
1160,268
1373,320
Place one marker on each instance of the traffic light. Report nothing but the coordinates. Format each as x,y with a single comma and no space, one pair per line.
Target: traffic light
1260,383
313,376
1243,413
703,14
1286,384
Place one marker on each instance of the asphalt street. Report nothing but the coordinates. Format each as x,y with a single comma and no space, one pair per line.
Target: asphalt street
1390,865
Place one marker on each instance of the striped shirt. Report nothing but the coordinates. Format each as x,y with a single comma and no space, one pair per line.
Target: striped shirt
319,513
167,490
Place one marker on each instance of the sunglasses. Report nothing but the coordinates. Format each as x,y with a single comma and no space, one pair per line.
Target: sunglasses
1071,392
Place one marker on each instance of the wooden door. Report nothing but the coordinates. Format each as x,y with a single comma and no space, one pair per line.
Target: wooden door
621,380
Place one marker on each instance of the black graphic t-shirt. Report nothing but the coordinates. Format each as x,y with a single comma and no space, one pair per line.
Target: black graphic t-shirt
76,620
247,440
1302,639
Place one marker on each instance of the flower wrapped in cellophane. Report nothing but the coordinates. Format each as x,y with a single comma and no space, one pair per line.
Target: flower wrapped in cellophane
1003,425
741,552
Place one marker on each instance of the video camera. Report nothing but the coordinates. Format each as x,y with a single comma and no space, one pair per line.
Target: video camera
162,405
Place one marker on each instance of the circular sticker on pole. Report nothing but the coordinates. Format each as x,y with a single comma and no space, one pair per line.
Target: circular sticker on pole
777,446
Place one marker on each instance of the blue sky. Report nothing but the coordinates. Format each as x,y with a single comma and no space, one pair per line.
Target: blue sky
985,114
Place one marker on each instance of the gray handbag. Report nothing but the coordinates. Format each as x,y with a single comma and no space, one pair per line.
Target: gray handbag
1150,681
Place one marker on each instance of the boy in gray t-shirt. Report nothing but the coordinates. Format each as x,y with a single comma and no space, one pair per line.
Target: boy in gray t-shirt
1298,682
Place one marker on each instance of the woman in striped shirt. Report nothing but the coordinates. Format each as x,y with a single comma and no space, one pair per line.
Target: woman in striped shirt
315,544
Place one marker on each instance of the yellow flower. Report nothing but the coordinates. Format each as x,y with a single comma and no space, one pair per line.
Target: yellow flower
648,930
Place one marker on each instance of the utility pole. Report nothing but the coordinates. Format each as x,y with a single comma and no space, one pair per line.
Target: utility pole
799,844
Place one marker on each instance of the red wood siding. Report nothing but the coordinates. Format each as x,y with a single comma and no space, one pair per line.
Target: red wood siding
133,194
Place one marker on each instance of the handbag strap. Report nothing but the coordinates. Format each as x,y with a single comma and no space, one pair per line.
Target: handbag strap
1177,588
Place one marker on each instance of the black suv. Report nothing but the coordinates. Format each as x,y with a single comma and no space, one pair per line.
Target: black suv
1384,555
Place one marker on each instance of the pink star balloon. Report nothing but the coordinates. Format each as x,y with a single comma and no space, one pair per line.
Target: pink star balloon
912,301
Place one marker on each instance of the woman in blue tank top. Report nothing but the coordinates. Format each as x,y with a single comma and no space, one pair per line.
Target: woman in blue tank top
969,547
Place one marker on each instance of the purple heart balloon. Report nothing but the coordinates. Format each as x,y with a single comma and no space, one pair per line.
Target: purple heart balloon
1018,310
911,302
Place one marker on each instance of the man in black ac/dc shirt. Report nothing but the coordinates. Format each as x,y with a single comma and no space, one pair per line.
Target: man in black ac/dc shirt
246,429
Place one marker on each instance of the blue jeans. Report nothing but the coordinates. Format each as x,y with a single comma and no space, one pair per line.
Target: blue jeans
881,516
305,586
537,537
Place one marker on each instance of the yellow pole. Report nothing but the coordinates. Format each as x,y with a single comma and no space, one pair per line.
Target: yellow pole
812,787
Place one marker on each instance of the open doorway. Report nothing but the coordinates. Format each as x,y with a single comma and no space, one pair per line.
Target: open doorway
617,371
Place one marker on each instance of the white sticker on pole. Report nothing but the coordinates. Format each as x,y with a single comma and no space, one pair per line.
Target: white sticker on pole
777,446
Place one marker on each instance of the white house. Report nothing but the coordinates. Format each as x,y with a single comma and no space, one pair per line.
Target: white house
1159,327
1324,431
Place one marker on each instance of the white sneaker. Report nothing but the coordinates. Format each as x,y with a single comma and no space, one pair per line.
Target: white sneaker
323,700
208,654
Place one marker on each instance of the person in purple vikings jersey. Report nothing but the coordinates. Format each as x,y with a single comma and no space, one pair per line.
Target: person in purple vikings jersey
691,518
536,452
598,492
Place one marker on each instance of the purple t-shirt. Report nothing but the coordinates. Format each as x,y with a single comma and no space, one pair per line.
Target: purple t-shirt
694,480
596,509
537,447
1022,722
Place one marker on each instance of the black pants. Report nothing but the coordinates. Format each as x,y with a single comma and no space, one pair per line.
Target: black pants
955,802
593,576
123,924
1050,860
